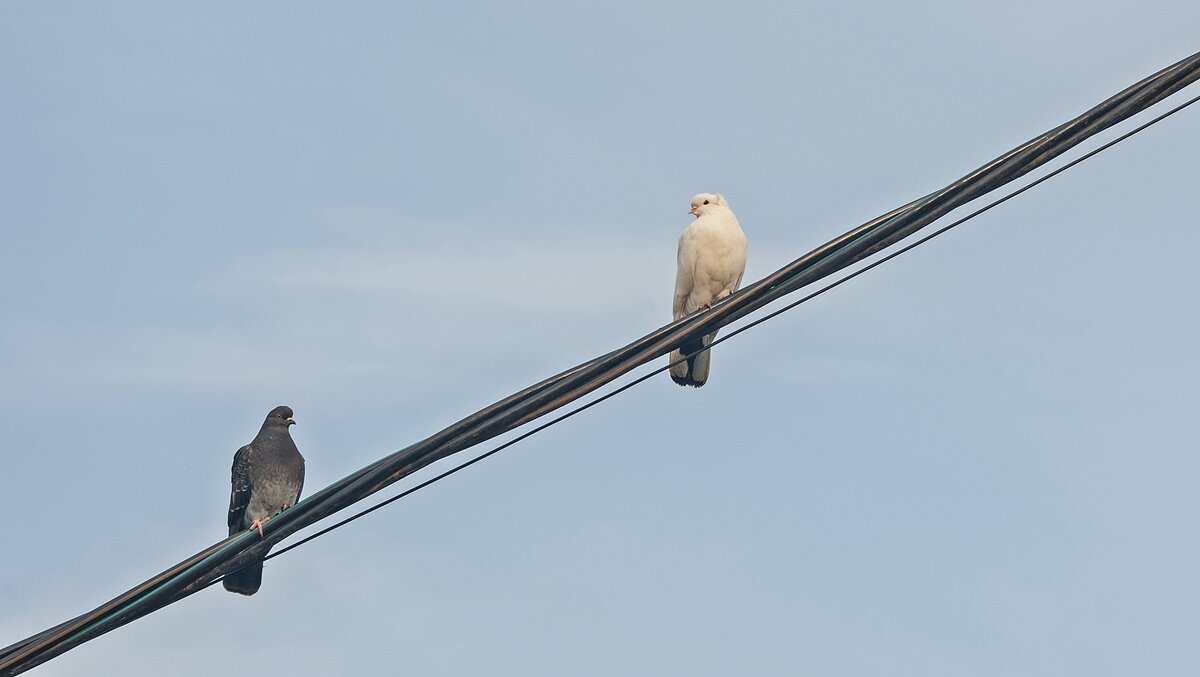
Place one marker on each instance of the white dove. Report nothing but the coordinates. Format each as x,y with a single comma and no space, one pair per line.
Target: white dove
712,258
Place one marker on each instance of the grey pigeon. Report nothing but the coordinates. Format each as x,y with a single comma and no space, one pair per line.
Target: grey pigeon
267,476
712,258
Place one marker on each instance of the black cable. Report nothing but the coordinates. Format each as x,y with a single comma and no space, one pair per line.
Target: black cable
235,552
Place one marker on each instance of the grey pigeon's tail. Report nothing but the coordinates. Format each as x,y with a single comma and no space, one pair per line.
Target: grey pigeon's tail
246,581
693,372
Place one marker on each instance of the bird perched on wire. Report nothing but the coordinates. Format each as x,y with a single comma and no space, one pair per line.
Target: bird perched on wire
267,477
712,258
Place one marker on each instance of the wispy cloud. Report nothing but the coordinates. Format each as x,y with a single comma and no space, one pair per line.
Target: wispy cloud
45,359
581,277
324,314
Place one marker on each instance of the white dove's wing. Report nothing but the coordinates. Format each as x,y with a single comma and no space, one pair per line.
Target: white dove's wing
684,274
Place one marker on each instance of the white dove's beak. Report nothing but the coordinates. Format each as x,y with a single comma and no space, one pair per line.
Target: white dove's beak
692,211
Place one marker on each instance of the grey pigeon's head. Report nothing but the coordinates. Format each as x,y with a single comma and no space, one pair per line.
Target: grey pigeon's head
279,416
707,203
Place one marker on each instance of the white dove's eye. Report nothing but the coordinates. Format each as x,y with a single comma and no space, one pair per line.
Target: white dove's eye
706,202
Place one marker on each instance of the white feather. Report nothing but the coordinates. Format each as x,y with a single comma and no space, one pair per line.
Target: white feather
711,259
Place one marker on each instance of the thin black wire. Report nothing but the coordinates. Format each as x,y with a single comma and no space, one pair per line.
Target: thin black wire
739,330
733,333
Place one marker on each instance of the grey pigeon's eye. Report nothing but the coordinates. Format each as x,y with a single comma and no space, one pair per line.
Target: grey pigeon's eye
706,202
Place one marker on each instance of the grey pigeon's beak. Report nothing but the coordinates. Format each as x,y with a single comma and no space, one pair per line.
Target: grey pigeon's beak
291,421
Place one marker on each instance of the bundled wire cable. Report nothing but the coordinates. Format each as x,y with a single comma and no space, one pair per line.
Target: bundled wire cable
235,552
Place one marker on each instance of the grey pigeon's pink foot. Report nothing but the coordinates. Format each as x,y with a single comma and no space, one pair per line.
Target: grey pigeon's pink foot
258,524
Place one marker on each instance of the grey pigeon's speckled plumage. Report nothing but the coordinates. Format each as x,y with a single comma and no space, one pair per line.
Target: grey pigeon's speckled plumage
267,476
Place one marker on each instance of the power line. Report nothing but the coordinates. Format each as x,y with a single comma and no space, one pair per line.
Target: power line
235,552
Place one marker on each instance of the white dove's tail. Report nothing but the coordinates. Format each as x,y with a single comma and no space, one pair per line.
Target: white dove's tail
694,371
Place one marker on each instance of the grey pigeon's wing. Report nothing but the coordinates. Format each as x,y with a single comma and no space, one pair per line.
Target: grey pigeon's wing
239,496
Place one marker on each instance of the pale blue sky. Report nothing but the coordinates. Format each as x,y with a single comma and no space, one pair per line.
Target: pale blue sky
976,460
